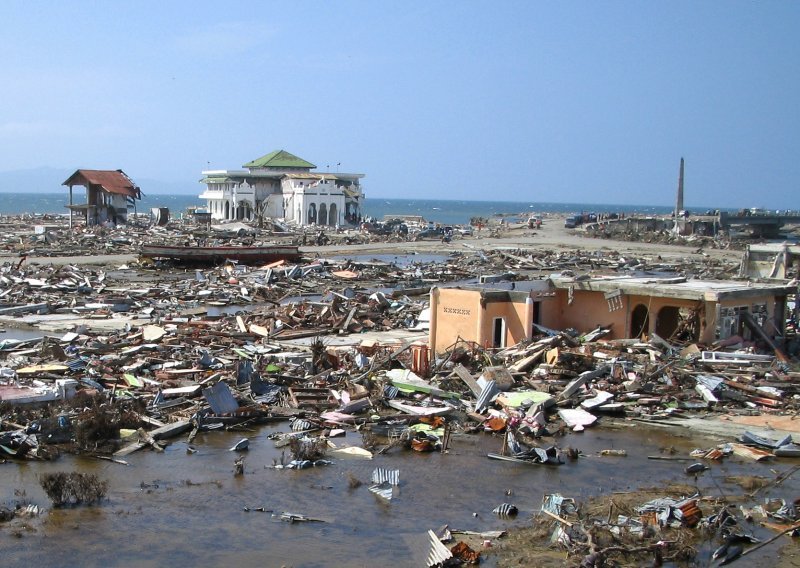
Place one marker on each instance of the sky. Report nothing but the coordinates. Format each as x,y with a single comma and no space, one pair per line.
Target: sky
578,102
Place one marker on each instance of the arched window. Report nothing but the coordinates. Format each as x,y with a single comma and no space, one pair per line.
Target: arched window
323,214
667,321
333,215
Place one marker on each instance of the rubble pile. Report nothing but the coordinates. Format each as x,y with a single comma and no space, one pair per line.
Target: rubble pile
156,374
286,298
668,237
142,359
52,236
611,262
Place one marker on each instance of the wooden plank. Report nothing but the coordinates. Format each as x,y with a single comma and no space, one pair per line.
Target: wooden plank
528,361
750,389
468,379
556,517
167,431
16,310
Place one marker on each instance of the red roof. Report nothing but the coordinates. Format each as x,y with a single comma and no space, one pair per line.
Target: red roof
110,181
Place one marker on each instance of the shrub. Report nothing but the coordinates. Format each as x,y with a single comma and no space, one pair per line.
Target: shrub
73,488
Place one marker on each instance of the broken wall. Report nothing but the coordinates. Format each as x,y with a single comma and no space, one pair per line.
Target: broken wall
587,311
723,319
465,314
454,315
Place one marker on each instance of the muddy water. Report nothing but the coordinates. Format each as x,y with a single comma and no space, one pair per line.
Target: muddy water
185,509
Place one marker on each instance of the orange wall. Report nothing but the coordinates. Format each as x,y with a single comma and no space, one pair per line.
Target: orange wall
587,311
514,314
454,314
458,314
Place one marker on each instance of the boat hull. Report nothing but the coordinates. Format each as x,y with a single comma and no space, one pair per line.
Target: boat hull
245,255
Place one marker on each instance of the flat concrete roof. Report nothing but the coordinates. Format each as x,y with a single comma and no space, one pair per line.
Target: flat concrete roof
679,288
775,248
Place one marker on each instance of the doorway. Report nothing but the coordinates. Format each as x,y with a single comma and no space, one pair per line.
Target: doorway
499,333
640,321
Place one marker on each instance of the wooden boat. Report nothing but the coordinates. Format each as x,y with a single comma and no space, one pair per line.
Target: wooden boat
217,254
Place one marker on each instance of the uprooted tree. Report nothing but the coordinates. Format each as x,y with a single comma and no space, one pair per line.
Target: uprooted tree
73,488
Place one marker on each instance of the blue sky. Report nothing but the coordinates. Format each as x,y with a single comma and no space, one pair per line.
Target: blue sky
524,101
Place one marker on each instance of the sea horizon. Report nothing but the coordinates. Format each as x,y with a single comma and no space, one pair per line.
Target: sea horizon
453,211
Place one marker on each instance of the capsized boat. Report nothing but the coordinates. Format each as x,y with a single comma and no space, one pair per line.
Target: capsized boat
218,254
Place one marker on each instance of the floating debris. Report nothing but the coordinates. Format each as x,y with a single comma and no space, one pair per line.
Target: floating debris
506,510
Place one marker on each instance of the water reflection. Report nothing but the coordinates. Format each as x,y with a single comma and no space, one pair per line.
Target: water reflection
180,508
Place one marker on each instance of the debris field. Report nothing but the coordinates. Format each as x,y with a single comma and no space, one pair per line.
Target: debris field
129,358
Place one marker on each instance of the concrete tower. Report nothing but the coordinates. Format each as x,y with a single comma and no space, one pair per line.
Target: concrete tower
679,201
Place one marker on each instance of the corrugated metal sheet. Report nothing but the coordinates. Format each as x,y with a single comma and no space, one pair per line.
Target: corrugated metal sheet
752,453
558,504
220,399
487,394
384,490
383,475
111,181
506,510
301,425
439,553
76,364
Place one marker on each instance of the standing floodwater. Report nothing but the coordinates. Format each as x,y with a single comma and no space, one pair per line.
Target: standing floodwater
179,508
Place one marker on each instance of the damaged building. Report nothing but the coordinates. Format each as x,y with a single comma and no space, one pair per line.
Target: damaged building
281,185
672,308
771,260
109,193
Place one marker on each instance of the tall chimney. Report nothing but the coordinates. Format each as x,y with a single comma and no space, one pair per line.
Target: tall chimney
679,202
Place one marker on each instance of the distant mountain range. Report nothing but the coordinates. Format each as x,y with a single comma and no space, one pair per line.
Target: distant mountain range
49,180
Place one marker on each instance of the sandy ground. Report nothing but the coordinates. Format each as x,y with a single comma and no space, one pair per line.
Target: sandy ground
552,236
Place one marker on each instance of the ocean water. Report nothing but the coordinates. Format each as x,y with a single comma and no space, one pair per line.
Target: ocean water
437,210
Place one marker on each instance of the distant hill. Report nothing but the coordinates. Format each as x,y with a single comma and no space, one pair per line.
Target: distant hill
49,180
